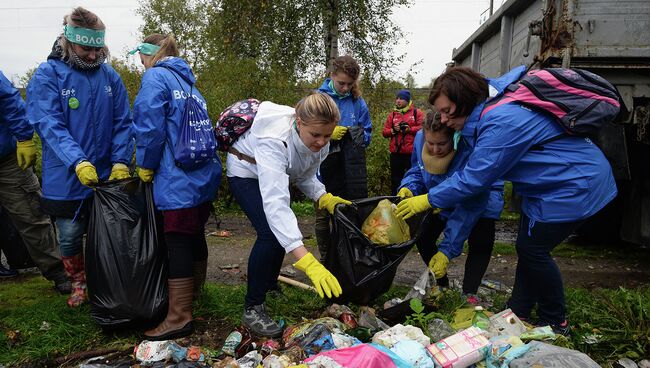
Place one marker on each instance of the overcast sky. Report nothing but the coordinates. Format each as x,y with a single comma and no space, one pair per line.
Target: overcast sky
28,29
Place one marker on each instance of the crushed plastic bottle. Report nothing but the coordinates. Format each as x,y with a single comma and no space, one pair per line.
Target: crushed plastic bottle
480,319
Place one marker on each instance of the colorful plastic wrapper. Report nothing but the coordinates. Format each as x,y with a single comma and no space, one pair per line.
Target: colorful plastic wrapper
461,349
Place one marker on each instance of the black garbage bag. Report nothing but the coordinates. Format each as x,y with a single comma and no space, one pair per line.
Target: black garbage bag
126,262
364,270
12,245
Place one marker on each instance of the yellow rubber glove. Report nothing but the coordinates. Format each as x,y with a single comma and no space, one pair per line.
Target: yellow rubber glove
86,173
438,264
405,193
119,172
25,153
329,201
339,132
412,206
324,281
146,175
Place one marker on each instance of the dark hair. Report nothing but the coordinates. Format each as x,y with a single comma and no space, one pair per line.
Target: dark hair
432,124
167,45
347,65
463,86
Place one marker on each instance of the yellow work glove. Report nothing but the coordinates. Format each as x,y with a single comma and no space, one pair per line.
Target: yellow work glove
86,173
339,132
322,279
438,264
25,153
119,172
329,201
412,206
146,175
405,193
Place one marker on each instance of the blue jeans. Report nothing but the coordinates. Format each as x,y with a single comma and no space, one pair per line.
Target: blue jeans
266,257
538,279
70,234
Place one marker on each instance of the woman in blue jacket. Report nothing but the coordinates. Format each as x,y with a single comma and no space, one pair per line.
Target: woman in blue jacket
344,170
433,160
561,182
79,107
183,196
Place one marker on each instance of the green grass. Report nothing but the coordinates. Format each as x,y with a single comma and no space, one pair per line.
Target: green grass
620,317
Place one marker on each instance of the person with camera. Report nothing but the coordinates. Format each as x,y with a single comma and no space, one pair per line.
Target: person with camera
401,126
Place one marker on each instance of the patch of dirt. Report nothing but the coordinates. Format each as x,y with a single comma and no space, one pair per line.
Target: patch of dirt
576,272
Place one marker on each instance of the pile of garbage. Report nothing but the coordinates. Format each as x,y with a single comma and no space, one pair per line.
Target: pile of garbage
342,338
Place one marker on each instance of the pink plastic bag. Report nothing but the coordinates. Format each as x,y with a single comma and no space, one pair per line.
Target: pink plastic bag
362,355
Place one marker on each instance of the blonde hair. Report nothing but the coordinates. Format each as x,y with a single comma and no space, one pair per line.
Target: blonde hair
84,18
167,43
318,109
347,65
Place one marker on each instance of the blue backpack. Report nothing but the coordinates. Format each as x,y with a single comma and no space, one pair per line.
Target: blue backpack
196,144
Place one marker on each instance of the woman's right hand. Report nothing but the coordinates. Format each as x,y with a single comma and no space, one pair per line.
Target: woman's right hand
323,280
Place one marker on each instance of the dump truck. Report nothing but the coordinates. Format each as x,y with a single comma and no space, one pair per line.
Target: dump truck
608,37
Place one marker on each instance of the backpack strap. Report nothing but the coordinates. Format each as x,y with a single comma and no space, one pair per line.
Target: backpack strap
242,156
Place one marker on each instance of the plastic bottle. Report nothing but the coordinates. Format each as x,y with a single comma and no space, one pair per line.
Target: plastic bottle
480,319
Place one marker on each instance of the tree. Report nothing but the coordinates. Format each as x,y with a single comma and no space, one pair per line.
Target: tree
300,37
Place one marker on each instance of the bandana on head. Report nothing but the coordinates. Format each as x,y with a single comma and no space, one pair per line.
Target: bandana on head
145,49
84,36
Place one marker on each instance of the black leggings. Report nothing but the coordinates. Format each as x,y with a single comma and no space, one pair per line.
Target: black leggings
399,164
481,242
183,250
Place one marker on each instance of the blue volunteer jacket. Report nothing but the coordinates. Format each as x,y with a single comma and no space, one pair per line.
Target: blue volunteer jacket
568,180
354,111
14,125
461,218
157,117
79,115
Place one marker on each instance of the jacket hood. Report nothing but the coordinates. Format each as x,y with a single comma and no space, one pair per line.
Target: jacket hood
500,83
325,87
179,66
57,51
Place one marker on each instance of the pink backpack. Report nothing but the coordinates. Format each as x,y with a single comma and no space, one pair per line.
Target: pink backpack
234,121
581,101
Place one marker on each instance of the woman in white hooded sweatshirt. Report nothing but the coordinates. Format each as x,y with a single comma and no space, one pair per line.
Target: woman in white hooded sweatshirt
284,146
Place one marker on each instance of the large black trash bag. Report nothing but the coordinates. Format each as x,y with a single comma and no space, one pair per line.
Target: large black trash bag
126,262
364,270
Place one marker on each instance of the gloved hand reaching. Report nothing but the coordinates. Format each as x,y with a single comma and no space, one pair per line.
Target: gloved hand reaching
405,193
438,264
86,173
412,206
329,201
323,280
339,132
146,175
119,172
25,153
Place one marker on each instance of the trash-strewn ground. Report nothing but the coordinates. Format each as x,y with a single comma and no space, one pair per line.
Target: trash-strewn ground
588,272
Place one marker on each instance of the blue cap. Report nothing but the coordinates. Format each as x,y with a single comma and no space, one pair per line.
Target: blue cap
404,94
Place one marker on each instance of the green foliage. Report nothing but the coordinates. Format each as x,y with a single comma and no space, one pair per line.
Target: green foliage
285,35
610,324
130,75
